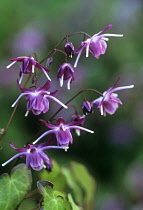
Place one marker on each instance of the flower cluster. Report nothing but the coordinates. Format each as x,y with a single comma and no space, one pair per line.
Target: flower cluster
38,98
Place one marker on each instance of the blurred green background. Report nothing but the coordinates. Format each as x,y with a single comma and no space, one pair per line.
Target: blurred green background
114,153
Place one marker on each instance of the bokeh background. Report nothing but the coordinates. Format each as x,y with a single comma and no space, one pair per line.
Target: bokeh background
114,153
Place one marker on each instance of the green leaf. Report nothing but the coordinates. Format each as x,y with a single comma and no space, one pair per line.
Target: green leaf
13,188
74,206
44,175
27,204
73,185
86,182
53,200
55,176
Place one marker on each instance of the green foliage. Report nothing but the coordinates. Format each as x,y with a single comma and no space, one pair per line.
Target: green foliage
85,181
14,187
77,182
73,185
55,176
74,206
53,200
27,204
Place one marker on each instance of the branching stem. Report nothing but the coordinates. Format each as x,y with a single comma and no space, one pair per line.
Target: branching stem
12,115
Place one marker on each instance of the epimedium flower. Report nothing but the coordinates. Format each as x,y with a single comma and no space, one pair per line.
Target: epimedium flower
69,49
65,72
108,103
96,44
62,131
87,107
28,66
35,156
38,99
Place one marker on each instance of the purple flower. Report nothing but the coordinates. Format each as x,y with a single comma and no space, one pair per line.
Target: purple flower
87,107
96,44
28,66
62,131
38,99
109,101
35,157
65,72
69,49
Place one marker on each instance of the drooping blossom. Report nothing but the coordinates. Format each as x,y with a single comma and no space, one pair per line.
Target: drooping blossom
87,107
65,72
69,49
38,99
62,131
28,66
96,44
35,156
109,101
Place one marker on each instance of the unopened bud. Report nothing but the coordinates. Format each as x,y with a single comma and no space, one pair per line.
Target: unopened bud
87,107
69,49
49,61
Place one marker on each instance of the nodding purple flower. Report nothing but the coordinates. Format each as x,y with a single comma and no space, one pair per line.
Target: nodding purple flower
38,99
87,107
96,44
62,131
109,101
65,72
69,49
28,66
35,156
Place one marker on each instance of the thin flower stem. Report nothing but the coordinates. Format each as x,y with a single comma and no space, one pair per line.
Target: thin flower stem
79,33
82,91
12,115
52,50
75,109
66,37
62,53
33,192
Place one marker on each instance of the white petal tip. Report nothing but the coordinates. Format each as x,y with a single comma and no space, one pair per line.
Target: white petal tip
77,132
66,149
26,114
66,107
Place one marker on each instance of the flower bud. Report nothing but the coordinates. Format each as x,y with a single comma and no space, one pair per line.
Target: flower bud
49,61
69,49
87,107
